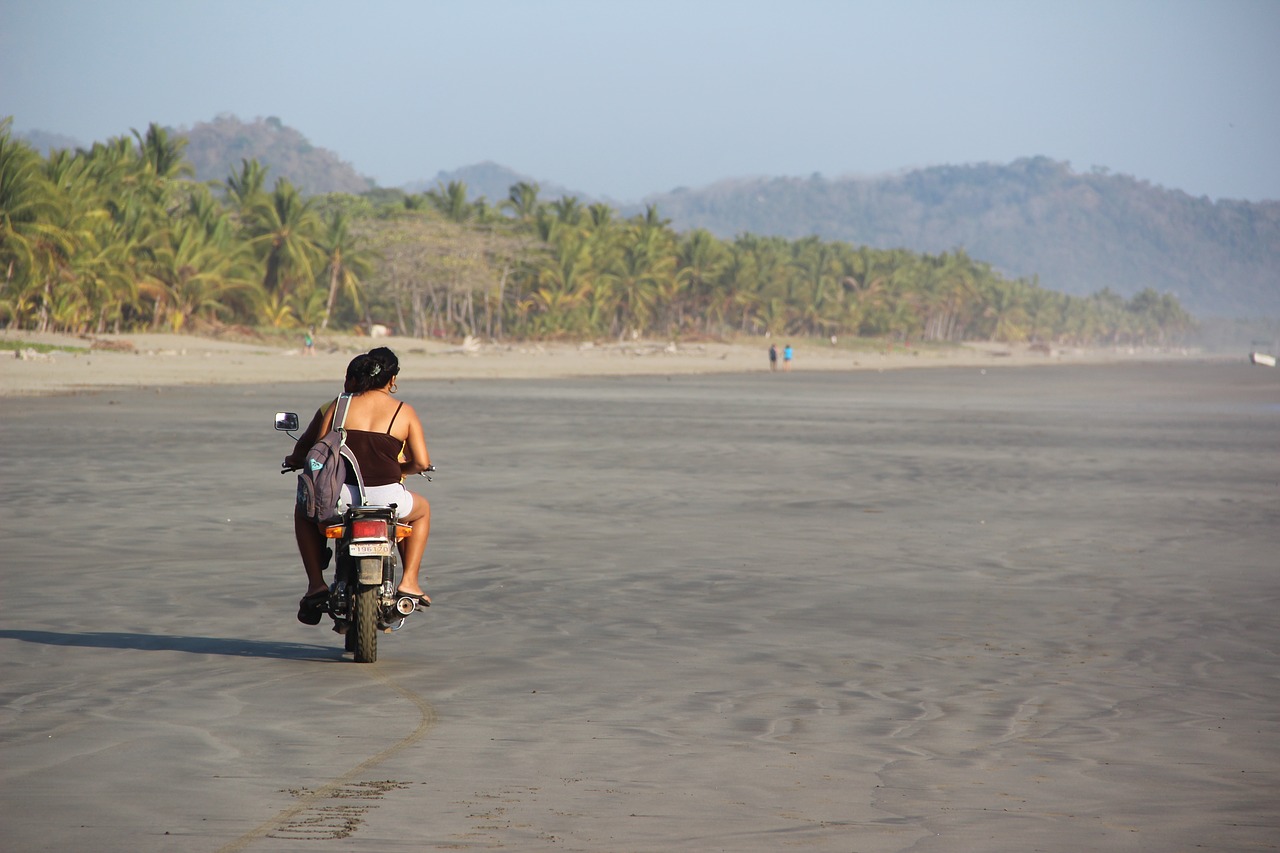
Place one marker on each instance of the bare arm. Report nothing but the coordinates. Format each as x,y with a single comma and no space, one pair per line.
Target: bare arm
319,426
417,459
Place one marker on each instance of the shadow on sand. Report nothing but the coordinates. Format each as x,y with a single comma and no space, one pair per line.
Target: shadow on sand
194,645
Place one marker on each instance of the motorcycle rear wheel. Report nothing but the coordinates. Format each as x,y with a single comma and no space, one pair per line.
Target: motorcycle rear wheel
364,624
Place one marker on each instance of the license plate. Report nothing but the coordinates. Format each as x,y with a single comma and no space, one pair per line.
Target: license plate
369,549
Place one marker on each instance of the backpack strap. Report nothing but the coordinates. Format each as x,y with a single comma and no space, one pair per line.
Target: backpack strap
340,407
339,424
348,455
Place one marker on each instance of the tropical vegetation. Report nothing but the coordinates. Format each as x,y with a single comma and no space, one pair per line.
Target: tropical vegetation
120,237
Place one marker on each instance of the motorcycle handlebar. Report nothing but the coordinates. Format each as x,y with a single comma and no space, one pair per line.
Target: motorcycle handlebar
285,469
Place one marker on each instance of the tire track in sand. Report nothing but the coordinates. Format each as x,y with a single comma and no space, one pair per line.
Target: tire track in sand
288,821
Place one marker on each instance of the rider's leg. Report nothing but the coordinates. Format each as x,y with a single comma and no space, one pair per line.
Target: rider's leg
412,548
311,547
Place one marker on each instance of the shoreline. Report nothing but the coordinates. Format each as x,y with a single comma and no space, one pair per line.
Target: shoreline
167,360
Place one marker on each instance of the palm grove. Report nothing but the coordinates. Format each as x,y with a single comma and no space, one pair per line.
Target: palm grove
119,238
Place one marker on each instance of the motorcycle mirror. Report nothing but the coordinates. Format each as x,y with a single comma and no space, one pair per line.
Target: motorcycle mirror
286,421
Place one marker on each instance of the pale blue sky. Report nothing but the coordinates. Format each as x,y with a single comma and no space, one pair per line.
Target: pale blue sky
627,98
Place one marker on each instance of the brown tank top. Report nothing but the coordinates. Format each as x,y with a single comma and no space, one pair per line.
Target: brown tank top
378,454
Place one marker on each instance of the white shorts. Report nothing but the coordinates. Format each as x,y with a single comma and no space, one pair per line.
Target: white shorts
392,493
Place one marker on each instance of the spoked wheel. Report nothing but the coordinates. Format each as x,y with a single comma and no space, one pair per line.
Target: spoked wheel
362,638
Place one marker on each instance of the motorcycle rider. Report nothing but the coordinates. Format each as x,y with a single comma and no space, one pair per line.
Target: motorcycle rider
387,439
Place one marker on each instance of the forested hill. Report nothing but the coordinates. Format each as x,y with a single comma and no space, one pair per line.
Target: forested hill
217,148
1079,233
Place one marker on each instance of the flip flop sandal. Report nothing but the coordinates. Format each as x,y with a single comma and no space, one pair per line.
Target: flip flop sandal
418,600
311,607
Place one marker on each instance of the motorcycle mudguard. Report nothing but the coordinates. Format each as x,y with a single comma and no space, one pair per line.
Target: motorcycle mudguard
370,571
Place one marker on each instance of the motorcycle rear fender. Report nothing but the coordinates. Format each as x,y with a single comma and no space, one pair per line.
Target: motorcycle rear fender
369,570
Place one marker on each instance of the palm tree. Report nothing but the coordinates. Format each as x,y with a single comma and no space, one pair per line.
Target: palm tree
275,310
161,155
283,229
568,210
452,201
1157,315
652,221
161,162
816,285
344,261
522,200
701,258
30,242
246,188
1081,322
601,216
190,275
308,307
249,182
642,271
104,273
565,283
559,310
1045,310
1006,308
114,166
1112,316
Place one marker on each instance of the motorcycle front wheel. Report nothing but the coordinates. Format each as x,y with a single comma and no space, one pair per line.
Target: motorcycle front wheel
364,625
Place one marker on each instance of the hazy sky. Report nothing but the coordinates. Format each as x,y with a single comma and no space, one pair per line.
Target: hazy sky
623,98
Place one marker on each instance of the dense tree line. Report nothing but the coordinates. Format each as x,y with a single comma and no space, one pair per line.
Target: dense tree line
118,237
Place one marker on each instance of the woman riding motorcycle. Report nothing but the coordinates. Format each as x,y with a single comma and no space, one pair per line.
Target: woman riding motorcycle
387,439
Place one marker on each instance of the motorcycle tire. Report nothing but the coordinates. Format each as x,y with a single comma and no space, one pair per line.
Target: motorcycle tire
364,624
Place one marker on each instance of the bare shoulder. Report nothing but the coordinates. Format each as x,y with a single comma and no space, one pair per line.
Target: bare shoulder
406,418
409,411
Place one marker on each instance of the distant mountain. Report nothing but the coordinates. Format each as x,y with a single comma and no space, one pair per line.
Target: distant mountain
493,182
44,142
1078,232
217,148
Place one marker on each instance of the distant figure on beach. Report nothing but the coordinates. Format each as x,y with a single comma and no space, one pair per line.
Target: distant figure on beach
309,343
786,357
773,356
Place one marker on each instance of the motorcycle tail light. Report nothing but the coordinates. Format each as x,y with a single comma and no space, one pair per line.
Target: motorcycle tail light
369,528
402,531
333,531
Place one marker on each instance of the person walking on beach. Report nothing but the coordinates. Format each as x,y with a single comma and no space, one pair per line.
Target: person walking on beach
387,439
773,356
309,342
786,357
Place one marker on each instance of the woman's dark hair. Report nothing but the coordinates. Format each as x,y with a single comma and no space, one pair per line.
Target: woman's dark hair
373,369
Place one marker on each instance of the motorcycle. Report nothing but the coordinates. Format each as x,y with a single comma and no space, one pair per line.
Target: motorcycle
363,541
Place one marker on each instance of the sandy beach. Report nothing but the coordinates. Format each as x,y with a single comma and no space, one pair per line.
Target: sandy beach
994,605
158,360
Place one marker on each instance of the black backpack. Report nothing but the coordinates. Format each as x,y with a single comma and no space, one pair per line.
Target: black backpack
325,469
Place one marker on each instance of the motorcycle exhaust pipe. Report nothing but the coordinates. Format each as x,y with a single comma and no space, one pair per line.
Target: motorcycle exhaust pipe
405,606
